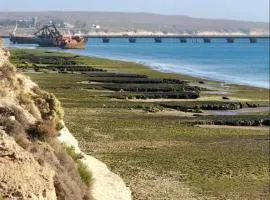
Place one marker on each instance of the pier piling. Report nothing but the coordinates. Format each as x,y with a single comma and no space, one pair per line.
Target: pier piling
132,40
230,40
253,40
183,40
158,40
106,40
206,40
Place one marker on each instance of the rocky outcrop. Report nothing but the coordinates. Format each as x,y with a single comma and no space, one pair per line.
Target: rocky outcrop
22,177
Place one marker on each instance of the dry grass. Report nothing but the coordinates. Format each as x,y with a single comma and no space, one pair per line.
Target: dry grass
42,130
85,174
7,74
68,180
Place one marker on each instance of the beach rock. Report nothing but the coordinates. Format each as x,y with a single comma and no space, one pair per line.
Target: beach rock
266,122
225,98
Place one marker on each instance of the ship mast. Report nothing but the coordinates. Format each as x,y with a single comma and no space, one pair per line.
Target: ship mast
15,29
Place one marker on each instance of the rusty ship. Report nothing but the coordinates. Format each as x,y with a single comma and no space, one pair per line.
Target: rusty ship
49,36
72,42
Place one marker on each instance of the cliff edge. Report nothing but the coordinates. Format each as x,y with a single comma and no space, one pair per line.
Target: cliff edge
39,157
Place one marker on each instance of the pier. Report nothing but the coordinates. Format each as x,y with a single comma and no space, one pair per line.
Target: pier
181,38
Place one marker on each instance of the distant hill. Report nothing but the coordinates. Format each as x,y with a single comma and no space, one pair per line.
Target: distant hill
117,21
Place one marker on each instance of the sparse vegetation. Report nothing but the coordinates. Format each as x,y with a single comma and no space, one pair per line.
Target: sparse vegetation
7,74
68,182
49,106
82,168
84,173
42,130
145,146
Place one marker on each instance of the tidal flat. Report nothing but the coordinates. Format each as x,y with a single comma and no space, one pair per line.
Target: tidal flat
144,125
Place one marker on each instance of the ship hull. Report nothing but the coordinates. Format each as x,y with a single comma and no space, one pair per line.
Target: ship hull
42,42
23,40
75,42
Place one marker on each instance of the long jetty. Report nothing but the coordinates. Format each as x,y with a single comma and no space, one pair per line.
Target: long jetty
182,38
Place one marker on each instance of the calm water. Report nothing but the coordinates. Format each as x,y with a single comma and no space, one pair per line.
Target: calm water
241,62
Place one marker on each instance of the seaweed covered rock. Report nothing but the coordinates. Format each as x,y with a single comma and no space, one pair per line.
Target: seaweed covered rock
243,122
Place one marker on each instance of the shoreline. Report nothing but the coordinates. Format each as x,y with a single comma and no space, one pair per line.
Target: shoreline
189,75
152,67
186,70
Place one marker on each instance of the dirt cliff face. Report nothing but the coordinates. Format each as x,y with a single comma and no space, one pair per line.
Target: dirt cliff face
22,177
39,157
33,164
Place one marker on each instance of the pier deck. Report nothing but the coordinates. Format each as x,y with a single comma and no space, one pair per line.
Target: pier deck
182,38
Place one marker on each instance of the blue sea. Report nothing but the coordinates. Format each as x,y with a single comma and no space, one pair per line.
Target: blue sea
240,63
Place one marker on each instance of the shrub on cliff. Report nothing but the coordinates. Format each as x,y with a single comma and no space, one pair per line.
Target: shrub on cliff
15,112
12,127
14,123
85,174
67,181
7,74
49,107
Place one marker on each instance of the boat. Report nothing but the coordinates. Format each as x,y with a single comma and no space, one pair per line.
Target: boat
49,36
31,39
72,42
23,39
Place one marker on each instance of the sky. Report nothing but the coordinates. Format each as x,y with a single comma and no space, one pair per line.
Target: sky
250,10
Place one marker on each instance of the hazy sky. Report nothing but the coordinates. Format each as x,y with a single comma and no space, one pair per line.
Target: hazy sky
254,10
